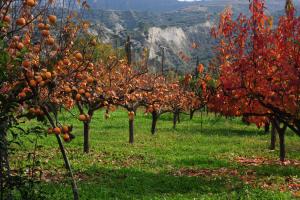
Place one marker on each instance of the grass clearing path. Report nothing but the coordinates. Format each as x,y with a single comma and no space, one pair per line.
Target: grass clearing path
224,159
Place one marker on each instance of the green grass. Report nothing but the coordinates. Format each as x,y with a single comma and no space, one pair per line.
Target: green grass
149,168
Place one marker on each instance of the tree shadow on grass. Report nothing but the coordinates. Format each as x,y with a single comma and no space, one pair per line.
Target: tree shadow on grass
233,132
222,131
129,183
275,170
134,184
260,169
209,131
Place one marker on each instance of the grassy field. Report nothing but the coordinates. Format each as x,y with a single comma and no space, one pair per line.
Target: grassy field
224,159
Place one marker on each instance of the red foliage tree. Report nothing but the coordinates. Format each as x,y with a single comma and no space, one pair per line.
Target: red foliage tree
259,71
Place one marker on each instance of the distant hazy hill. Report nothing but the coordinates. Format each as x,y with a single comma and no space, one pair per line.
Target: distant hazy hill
140,5
171,5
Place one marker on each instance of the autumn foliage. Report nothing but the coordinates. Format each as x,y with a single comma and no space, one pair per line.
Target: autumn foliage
52,65
259,68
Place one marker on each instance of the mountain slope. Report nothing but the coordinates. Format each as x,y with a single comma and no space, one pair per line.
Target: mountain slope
140,5
175,30
172,5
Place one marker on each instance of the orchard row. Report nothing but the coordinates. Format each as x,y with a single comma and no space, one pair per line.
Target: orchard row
53,64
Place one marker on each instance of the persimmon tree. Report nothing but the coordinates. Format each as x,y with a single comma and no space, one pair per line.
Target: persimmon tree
259,72
199,87
35,44
90,89
167,96
15,35
131,88
155,100
176,101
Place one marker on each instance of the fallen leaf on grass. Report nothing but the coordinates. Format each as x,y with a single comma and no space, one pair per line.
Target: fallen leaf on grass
257,161
206,172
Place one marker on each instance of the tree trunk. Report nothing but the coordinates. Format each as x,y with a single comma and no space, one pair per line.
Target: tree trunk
128,50
273,138
1,173
135,112
5,174
281,134
192,112
86,132
68,167
65,157
267,127
154,121
178,117
174,120
131,131
201,121
282,145
3,151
